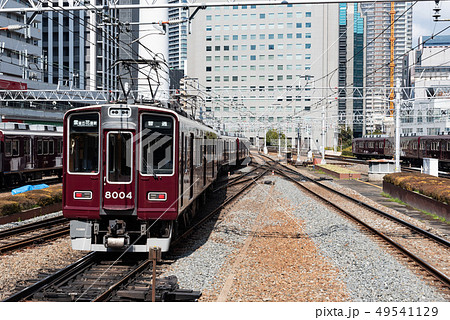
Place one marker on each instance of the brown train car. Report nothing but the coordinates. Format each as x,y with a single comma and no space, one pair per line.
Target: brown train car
29,152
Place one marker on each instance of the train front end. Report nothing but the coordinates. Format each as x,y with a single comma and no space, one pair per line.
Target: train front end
120,183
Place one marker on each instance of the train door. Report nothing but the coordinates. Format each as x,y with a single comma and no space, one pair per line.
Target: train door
182,164
204,160
191,166
118,171
27,153
2,150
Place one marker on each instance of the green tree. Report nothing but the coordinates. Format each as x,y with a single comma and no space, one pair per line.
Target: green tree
345,137
272,137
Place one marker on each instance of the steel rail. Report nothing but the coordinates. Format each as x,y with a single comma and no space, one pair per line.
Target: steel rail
57,277
106,294
234,181
438,274
31,227
215,211
45,236
441,240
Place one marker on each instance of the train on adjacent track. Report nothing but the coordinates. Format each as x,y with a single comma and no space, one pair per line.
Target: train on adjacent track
413,149
132,173
29,152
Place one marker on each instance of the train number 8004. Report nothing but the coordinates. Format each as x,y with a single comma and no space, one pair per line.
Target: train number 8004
118,195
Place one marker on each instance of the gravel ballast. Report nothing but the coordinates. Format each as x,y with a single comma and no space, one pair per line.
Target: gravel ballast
278,244
274,244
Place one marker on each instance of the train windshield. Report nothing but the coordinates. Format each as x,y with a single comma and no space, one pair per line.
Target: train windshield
83,143
157,144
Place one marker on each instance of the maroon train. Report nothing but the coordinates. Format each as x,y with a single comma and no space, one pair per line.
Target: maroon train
131,173
29,152
413,149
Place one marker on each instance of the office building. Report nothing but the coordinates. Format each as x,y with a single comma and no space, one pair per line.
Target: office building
268,67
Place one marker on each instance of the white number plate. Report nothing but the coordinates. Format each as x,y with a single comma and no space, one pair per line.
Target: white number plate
118,195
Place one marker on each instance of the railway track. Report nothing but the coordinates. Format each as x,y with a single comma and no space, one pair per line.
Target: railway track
413,242
105,277
125,277
233,182
18,237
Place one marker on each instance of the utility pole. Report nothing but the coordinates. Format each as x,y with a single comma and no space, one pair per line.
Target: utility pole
397,127
323,135
285,142
298,143
265,140
279,144
392,64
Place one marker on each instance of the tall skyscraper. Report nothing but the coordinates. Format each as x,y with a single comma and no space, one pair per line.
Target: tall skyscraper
351,68
177,37
378,55
79,47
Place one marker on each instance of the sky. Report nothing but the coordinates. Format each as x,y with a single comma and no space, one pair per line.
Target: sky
423,24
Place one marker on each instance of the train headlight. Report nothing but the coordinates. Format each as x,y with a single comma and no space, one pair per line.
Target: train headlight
157,196
82,195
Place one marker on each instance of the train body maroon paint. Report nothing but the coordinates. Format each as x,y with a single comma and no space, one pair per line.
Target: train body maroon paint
28,152
131,173
413,149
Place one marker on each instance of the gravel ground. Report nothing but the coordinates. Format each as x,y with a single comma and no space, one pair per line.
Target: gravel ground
275,244
287,247
19,266
350,192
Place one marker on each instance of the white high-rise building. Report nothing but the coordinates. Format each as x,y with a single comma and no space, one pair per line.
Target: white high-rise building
268,67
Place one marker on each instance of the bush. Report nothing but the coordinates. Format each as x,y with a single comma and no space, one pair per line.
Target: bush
433,187
9,207
347,152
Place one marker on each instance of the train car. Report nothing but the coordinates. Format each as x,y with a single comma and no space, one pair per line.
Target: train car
29,152
373,147
133,173
413,149
437,147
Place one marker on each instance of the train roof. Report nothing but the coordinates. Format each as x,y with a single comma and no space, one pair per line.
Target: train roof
157,107
442,136
13,128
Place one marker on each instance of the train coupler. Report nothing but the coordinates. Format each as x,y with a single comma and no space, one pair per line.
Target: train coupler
117,236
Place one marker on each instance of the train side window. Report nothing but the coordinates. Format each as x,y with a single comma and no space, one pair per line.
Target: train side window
39,147
83,143
15,147
185,152
157,147
8,148
27,147
51,147
45,149
58,147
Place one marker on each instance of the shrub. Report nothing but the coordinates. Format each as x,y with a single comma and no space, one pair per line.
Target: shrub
433,187
9,207
347,152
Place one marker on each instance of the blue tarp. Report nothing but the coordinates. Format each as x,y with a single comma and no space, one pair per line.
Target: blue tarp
28,188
